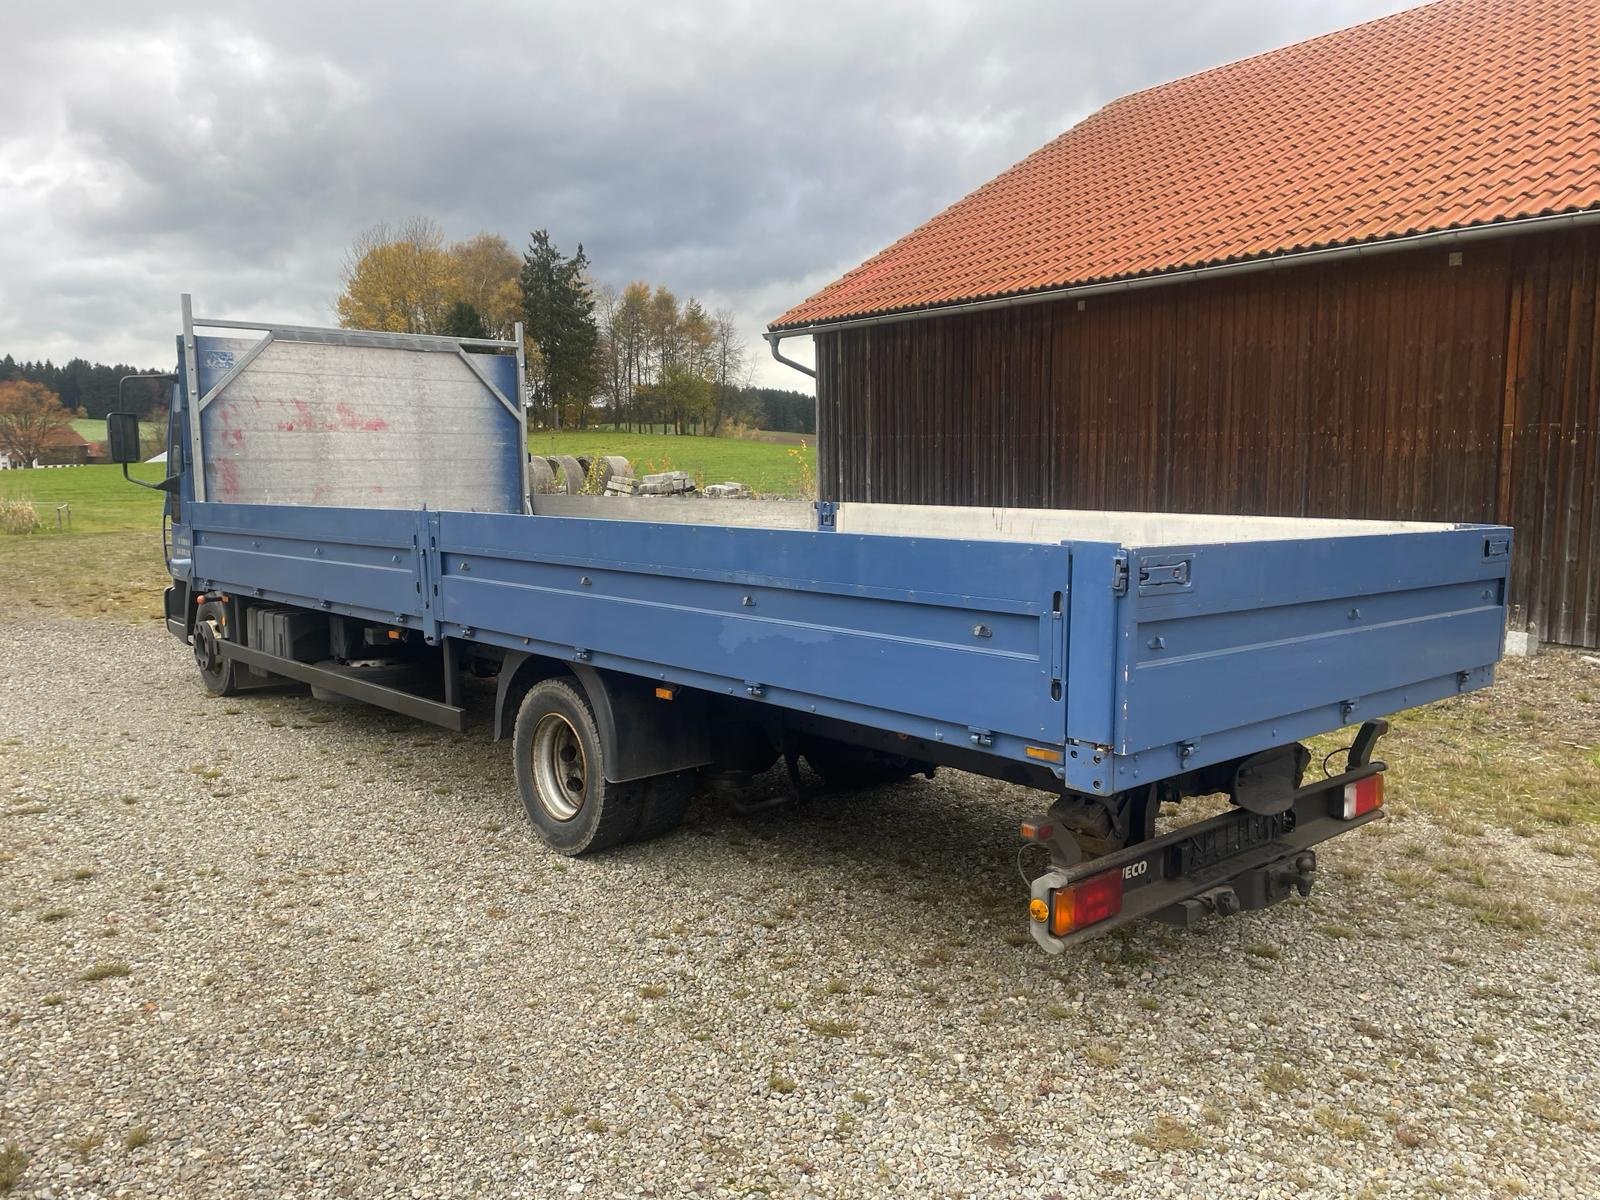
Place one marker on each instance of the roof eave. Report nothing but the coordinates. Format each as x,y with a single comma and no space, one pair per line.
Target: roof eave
1455,234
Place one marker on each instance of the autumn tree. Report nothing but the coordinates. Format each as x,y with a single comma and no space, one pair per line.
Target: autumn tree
31,417
650,343
397,280
558,308
664,333
484,273
610,367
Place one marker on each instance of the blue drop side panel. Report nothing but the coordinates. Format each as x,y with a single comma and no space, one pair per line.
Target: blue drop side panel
1263,631
830,622
360,561
1262,644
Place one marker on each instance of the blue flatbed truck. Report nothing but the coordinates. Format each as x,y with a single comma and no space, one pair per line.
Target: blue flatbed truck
351,510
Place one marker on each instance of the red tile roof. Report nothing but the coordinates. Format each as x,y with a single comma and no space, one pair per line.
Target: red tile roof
1454,114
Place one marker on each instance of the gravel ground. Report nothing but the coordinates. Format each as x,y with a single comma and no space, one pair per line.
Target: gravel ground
267,947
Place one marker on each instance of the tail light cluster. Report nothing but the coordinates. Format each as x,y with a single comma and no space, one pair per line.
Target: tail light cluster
1086,902
1362,796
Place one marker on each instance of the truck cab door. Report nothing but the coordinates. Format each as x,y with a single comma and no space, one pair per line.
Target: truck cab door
174,505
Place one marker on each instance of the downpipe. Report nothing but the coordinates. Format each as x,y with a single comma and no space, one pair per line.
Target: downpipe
774,341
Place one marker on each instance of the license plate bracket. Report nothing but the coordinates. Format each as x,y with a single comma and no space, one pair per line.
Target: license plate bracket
1207,847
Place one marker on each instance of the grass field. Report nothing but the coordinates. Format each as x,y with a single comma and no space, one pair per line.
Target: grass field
119,575
102,500
766,468
109,564
151,434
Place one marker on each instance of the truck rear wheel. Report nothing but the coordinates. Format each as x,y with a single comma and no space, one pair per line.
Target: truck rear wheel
662,803
560,764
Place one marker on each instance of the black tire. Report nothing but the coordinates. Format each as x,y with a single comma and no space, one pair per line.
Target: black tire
662,803
210,627
560,766
851,767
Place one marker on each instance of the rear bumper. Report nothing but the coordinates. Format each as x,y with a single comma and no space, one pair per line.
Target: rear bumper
1238,860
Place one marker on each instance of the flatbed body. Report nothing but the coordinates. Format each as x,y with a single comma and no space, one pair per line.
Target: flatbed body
330,484
997,645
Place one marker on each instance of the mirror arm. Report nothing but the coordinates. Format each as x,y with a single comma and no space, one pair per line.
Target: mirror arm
169,484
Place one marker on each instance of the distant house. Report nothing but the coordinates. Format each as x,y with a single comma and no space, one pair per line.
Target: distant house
67,448
1357,277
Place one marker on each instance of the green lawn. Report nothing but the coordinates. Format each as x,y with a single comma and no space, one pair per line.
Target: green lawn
102,500
108,565
152,434
764,467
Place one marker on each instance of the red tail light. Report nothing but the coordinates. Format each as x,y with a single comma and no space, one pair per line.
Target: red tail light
1363,796
1085,902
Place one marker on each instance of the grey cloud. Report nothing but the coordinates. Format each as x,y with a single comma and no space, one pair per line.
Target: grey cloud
742,153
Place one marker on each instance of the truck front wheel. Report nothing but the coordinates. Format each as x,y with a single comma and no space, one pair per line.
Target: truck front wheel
560,765
210,630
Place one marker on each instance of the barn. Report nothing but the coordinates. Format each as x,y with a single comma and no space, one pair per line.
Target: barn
1354,277
67,447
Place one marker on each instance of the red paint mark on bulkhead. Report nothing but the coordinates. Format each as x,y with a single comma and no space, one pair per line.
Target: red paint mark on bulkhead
352,420
347,420
303,418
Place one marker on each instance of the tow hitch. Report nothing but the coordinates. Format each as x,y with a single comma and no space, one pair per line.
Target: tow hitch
1258,888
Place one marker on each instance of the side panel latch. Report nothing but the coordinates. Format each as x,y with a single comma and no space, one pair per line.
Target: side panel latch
1164,575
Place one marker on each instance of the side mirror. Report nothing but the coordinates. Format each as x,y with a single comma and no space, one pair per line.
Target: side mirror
122,437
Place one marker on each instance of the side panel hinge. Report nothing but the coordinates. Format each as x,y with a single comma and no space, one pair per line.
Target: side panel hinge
1119,574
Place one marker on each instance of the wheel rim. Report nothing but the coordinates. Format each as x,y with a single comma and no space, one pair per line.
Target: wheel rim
560,767
206,655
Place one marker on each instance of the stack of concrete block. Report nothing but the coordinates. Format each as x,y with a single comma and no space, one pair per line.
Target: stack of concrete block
666,483
727,491
622,485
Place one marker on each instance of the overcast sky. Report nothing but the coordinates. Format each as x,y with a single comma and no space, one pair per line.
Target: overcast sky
746,154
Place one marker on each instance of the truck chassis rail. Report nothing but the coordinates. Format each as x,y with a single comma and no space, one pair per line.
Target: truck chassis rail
448,715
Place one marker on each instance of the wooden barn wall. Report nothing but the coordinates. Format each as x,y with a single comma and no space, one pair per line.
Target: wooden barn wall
1398,386
1550,448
